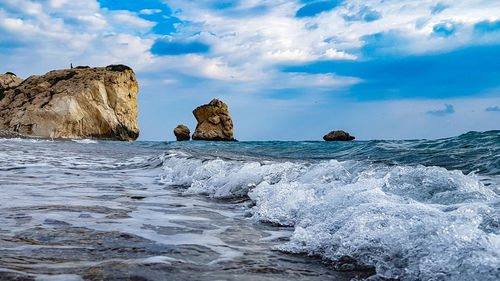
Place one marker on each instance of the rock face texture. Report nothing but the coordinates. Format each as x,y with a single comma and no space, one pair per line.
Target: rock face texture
182,133
11,135
338,136
9,80
214,122
96,103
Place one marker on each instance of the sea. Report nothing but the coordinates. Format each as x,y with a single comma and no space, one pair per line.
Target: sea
308,210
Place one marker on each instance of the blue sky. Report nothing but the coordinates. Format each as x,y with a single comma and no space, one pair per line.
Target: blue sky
289,70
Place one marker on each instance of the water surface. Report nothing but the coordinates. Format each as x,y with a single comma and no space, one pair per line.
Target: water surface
410,210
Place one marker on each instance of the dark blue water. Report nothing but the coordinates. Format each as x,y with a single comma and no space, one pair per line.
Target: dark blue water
409,210
472,152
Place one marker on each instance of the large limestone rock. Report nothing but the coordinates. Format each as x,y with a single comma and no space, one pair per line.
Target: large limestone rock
97,103
182,133
338,136
214,122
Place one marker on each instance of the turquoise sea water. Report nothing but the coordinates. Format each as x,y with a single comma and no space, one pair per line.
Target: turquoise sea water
408,210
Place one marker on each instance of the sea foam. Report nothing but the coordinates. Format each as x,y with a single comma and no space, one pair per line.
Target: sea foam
408,222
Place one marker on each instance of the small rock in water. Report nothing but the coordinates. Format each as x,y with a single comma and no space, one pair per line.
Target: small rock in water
338,136
182,133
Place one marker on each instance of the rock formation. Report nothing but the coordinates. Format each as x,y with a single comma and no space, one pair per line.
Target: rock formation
97,103
12,135
214,122
182,133
7,81
338,136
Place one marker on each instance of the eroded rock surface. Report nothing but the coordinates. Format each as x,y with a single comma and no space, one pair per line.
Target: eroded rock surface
214,122
7,81
338,136
182,133
97,103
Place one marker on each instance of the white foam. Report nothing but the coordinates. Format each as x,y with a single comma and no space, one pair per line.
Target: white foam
22,140
159,259
85,141
61,277
410,222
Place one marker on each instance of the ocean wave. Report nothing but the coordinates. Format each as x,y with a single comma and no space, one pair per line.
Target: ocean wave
408,222
84,141
477,152
25,140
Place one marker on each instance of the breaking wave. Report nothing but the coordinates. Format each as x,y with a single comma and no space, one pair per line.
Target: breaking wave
408,210
410,222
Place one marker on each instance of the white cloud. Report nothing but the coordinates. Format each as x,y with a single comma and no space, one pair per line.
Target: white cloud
328,81
255,43
18,25
72,31
333,54
246,49
57,3
245,45
150,11
122,48
199,66
129,18
170,81
96,21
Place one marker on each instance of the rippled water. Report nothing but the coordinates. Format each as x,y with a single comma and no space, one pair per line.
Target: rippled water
410,210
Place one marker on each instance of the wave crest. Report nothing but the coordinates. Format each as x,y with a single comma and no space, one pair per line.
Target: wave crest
409,222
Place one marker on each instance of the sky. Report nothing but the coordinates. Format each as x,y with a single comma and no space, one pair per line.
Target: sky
288,69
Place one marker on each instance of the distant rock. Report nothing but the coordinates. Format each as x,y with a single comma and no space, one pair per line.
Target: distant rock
214,122
182,133
96,103
338,136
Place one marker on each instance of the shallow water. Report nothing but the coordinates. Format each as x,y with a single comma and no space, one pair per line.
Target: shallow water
410,210
93,211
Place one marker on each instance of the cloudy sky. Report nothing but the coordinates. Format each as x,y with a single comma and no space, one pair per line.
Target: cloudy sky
288,69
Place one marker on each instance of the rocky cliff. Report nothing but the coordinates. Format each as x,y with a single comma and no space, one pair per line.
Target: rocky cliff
97,103
214,122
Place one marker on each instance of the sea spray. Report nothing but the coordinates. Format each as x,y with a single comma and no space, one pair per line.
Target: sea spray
409,222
